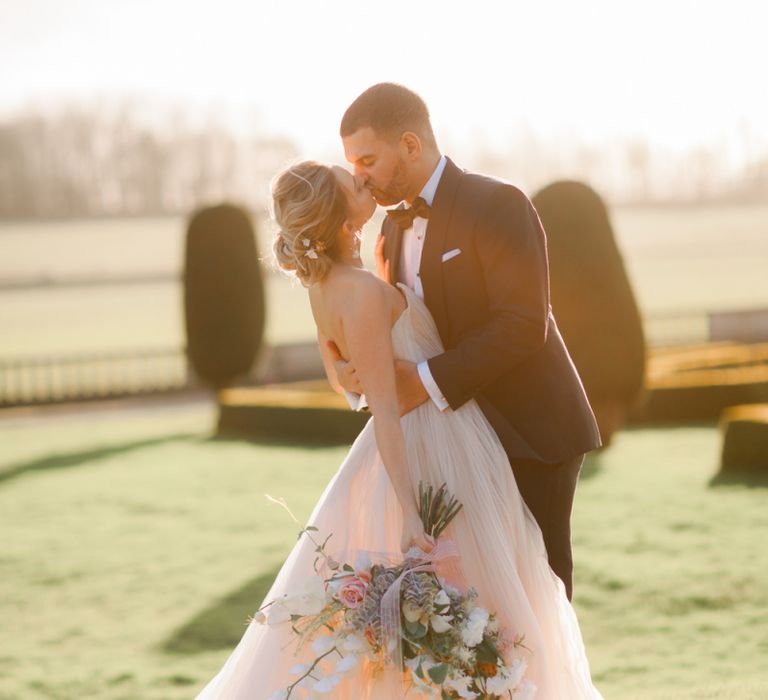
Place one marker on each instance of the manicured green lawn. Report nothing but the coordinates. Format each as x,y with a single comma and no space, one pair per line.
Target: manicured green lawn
134,546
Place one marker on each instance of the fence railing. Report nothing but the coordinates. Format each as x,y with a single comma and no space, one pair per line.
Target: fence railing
695,326
48,379
33,380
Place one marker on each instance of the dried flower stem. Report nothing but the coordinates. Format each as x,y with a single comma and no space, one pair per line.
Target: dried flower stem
310,669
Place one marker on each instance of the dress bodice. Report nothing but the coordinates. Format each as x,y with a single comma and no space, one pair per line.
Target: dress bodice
414,333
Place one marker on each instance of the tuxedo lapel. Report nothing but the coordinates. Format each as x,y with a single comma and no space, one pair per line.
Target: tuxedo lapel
430,270
393,238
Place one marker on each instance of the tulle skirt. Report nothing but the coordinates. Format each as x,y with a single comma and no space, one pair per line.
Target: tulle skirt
502,556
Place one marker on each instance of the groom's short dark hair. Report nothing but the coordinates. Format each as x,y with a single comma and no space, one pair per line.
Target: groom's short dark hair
389,109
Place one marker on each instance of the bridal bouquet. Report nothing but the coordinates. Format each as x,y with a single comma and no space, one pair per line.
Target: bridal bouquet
403,614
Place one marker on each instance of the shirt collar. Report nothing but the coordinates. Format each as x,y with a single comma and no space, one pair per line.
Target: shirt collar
428,191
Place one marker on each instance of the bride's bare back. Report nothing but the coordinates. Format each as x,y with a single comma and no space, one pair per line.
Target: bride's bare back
344,294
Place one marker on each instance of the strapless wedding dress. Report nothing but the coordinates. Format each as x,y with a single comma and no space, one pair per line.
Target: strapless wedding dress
502,553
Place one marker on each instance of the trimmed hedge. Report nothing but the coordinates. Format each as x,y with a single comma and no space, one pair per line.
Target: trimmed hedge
745,439
592,300
696,383
224,309
300,413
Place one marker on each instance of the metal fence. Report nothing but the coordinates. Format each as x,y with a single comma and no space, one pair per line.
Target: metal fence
52,379
34,380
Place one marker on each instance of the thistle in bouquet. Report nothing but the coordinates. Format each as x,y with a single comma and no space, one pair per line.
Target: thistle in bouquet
403,614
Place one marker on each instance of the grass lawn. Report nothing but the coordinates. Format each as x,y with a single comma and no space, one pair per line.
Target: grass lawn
134,546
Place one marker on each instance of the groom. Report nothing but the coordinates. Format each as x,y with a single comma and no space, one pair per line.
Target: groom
474,249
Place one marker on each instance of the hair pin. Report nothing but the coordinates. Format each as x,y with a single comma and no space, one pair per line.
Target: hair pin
319,247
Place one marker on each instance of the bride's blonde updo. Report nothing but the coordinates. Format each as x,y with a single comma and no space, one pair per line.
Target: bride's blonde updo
310,207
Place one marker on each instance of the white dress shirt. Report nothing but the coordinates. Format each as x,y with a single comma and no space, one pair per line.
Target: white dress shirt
411,249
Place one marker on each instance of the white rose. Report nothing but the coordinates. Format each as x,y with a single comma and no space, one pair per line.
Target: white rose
515,672
441,623
464,654
497,685
460,684
507,677
472,630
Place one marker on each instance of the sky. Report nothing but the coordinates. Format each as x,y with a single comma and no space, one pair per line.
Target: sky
677,73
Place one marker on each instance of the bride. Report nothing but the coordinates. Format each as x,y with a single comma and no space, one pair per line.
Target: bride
370,504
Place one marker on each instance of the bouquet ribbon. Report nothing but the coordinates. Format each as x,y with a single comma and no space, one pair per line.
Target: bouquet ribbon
415,560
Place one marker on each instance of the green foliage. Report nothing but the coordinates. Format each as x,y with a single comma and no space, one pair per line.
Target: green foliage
438,673
436,508
487,652
415,630
745,440
223,295
591,295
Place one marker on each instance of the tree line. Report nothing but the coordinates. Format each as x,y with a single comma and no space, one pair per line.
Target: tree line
81,162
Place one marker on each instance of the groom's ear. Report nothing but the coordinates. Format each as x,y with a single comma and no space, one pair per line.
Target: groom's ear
411,144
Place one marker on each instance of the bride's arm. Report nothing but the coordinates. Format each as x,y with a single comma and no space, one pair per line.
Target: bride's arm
366,325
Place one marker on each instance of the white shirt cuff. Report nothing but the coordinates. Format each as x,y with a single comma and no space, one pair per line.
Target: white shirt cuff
356,402
431,385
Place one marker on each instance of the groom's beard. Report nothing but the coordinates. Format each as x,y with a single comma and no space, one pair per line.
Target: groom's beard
395,190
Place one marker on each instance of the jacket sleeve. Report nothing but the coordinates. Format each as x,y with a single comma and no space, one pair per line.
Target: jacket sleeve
511,247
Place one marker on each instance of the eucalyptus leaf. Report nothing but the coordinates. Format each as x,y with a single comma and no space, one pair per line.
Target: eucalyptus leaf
415,629
439,673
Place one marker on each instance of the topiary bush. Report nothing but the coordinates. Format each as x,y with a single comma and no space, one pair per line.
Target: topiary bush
592,300
297,413
224,308
745,439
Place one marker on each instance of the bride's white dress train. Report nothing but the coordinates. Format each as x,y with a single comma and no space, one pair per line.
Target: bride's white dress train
502,552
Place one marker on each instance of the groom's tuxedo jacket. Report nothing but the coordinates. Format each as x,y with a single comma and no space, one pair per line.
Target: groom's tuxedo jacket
491,305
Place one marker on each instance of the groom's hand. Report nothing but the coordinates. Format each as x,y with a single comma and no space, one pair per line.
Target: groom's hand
345,372
410,391
382,265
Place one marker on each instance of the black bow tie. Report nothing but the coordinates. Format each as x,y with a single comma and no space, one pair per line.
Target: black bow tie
404,217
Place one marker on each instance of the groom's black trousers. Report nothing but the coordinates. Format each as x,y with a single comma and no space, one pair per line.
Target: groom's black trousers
548,490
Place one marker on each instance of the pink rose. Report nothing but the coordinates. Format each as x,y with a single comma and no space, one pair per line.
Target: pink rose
352,590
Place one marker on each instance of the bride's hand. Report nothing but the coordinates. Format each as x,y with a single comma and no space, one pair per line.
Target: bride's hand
382,265
414,535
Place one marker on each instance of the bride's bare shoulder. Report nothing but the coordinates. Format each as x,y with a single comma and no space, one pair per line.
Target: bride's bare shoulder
358,291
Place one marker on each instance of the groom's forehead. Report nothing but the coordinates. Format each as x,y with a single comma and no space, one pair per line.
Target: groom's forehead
363,143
